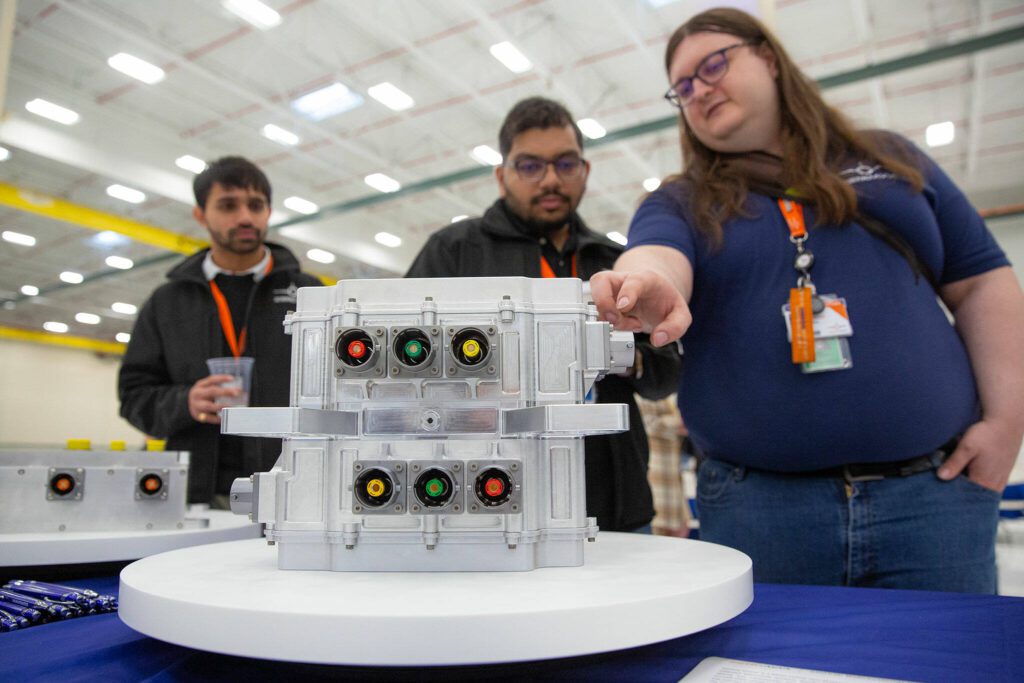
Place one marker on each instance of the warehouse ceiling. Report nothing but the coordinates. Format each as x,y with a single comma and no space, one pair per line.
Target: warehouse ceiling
225,80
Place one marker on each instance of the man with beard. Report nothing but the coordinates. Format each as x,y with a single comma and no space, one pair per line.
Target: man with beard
533,230
227,300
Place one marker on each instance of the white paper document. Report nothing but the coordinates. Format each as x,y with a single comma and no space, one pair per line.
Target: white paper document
720,670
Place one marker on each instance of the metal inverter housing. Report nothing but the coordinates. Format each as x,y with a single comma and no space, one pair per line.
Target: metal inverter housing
435,425
85,490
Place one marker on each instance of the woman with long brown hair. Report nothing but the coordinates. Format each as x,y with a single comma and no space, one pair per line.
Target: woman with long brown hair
853,435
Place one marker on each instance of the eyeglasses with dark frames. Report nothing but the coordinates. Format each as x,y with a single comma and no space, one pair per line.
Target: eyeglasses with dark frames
711,70
533,169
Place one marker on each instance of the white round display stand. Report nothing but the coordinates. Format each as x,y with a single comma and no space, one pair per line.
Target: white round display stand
82,547
633,589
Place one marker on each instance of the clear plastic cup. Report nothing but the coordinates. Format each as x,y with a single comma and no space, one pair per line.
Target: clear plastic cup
241,369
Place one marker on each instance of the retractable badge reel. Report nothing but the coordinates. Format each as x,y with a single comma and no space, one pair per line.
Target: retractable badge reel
817,326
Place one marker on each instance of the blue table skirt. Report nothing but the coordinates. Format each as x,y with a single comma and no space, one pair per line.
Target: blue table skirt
897,634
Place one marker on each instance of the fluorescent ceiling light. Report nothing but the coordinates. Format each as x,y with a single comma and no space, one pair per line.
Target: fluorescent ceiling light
109,238
59,328
139,69
280,135
190,163
123,337
591,128
87,318
390,96
514,60
5,154
383,183
29,290
660,3
320,256
300,205
388,240
121,307
54,112
18,238
616,236
939,134
120,262
460,217
652,184
254,12
126,194
71,277
485,155
329,101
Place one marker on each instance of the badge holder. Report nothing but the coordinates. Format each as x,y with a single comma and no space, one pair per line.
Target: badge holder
817,327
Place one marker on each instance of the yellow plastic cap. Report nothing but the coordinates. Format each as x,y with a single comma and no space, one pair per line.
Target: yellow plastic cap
79,445
117,445
156,444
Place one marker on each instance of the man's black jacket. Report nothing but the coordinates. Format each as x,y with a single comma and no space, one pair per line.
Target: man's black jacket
177,330
618,493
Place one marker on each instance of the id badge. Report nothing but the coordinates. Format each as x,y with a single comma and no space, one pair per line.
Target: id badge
830,353
832,330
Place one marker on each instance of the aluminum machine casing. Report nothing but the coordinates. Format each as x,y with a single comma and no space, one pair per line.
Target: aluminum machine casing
435,425
84,490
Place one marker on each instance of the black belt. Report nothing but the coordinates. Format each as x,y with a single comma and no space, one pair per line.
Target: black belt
874,471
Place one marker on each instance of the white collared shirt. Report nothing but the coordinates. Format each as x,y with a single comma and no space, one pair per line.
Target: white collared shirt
258,272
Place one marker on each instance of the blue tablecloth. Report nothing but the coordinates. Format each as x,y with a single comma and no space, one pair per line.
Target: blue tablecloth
896,634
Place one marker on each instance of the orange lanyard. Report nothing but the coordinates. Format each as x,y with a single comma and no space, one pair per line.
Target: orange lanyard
236,344
801,309
546,270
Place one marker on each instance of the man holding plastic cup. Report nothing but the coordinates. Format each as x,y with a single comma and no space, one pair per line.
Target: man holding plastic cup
212,336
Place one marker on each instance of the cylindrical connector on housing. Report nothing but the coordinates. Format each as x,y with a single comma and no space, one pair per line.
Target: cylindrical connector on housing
494,486
434,488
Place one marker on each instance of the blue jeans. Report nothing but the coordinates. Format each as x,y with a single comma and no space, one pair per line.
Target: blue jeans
915,532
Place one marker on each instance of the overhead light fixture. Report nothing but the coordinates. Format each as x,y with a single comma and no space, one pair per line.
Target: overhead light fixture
123,337
120,262
71,277
280,135
190,163
121,307
126,194
382,183
485,155
616,236
254,12
320,256
328,101
5,154
460,217
514,60
88,318
59,328
300,205
54,112
388,240
109,238
652,184
939,134
139,69
390,96
591,128
18,238
660,3
30,290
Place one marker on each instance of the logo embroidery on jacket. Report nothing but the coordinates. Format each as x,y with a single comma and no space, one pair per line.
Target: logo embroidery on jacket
286,295
863,173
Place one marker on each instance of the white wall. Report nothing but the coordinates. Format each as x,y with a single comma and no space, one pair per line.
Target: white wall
49,394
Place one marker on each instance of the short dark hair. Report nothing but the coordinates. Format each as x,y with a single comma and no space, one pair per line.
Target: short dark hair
229,172
535,112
